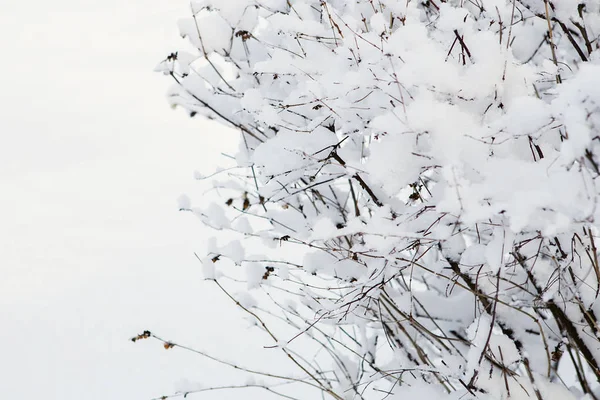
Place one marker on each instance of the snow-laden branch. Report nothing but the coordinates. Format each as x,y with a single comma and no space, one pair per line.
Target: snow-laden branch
415,190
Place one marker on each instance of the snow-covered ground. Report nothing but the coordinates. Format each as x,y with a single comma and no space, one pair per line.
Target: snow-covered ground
93,248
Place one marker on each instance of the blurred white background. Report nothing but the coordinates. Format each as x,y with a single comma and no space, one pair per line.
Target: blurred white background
93,249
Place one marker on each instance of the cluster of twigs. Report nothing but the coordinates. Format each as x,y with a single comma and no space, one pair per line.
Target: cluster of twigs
420,309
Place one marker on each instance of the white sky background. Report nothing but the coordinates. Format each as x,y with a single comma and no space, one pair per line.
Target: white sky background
93,249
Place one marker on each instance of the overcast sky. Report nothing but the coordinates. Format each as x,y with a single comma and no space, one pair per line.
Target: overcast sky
92,161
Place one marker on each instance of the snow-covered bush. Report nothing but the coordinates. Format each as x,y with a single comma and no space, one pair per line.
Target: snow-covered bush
415,190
